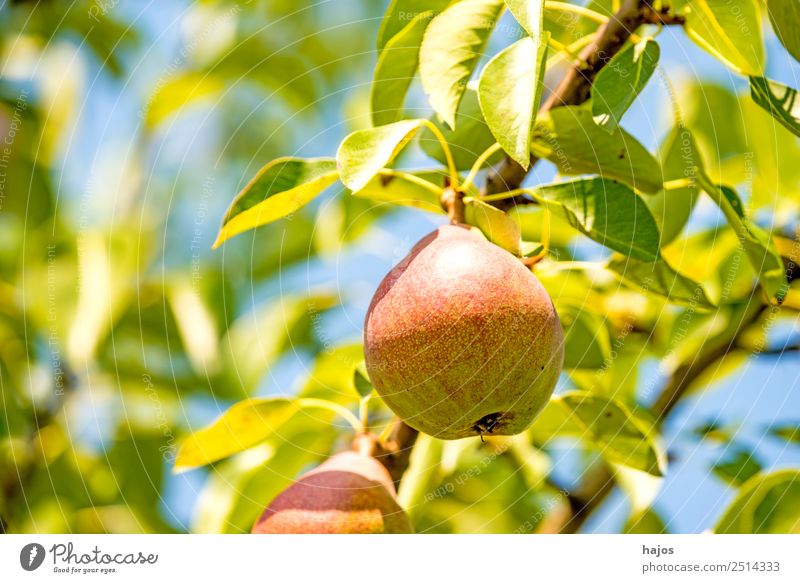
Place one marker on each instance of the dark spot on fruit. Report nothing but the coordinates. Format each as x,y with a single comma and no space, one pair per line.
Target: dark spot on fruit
608,414
621,155
487,423
386,179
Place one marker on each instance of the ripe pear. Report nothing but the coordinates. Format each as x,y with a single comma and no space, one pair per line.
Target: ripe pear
350,493
461,339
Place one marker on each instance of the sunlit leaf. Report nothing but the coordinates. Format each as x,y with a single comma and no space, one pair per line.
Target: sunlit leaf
451,47
766,504
619,83
280,188
586,340
179,92
529,15
197,327
784,16
395,69
364,153
509,91
672,208
401,12
758,245
496,225
606,211
361,380
614,431
779,100
647,523
403,188
569,137
658,277
731,31
244,425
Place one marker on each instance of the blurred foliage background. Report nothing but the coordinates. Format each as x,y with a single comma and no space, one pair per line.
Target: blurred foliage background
127,129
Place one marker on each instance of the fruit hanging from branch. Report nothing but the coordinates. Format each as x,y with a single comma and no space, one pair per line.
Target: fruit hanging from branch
461,339
350,493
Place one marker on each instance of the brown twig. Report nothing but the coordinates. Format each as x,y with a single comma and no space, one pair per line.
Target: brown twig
452,201
394,453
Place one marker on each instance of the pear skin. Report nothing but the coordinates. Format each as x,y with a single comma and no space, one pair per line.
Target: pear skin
461,339
350,493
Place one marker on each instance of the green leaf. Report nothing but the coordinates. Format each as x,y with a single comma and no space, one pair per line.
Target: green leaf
619,83
606,211
646,523
729,30
568,137
672,208
659,278
364,153
361,380
178,92
451,47
738,466
757,243
529,15
496,225
396,187
395,69
279,189
586,340
401,12
766,504
244,425
467,141
789,433
619,435
509,92
779,100
784,16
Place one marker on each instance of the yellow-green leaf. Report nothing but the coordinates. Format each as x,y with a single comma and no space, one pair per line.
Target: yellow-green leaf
244,425
619,435
279,189
452,45
395,69
403,188
619,83
785,16
728,29
400,12
779,100
766,504
606,211
509,92
529,15
496,225
569,137
364,153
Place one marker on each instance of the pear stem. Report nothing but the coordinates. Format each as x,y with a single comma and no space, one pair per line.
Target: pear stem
453,202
